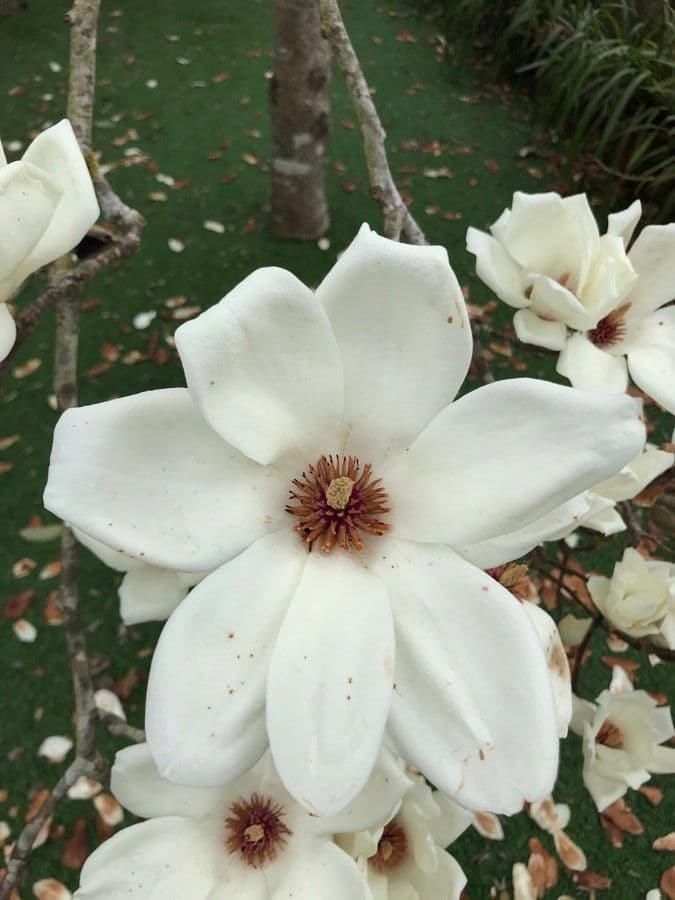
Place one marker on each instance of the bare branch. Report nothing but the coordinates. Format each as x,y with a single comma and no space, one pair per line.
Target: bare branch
383,189
121,728
24,843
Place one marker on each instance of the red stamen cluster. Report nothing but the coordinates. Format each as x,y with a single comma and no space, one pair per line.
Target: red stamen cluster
256,830
336,502
610,330
391,849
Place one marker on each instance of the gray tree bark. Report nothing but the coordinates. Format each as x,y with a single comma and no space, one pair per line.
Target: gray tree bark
299,98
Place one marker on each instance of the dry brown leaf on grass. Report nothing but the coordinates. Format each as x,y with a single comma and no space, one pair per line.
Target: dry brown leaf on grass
668,883
17,605
76,848
665,843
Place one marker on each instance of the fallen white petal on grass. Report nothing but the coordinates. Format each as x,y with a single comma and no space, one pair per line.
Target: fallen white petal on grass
142,319
51,889
55,748
176,245
25,631
151,83
109,809
216,227
108,702
84,789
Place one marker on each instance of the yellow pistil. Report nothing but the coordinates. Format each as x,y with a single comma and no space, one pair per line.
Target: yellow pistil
339,492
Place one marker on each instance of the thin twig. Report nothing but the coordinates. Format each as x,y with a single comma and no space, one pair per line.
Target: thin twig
24,843
121,728
581,650
397,216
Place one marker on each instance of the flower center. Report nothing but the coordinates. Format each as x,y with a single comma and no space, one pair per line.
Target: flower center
337,501
610,735
610,330
391,849
256,831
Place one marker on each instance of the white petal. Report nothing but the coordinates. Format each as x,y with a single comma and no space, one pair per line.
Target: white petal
446,882
590,368
163,859
558,665
634,477
329,683
206,693
505,455
548,235
3,158
602,516
28,198
624,222
653,258
496,269
530,329
138,786
375,804
651,357
472,705
401,324
7,331
551,300
150,594
264,368
320,870
610,278
146,476
57,153
508,547
120,562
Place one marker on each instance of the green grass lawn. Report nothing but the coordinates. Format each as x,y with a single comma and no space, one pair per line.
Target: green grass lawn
456,140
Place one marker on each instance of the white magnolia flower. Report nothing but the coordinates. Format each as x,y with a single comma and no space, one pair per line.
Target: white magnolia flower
546,257
639,598
248,840
342,397
622,734
47,205
405,858
147,593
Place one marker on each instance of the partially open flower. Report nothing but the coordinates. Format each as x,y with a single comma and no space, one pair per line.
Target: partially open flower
47,205
622,733
318,468
406,857
639,598
250,839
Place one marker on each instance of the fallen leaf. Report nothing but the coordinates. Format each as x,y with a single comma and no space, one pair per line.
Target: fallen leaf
76,848
16,606
667,843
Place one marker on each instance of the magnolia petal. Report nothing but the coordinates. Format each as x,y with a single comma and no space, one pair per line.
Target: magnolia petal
557,662
136,783
651,357
530,329
202,503
7,331
548,235
150,594
28,198
624,222
264,368
57,152
453,487
375,804
479,725
508,547
590,368
206,693
3,158
496,269
603,516
329,683
400,321
120,562
169,858
445,882
653,258
663,761
610,278
551,300
634,477
316,869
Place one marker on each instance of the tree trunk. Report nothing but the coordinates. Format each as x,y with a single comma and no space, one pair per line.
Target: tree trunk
11,6
299,98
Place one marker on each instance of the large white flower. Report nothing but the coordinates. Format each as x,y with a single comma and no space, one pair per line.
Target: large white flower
639,598
343,397
147,593
545,257
622,733
406,857
248,840
47,205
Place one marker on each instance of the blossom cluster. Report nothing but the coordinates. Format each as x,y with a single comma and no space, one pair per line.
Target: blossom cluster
314,515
